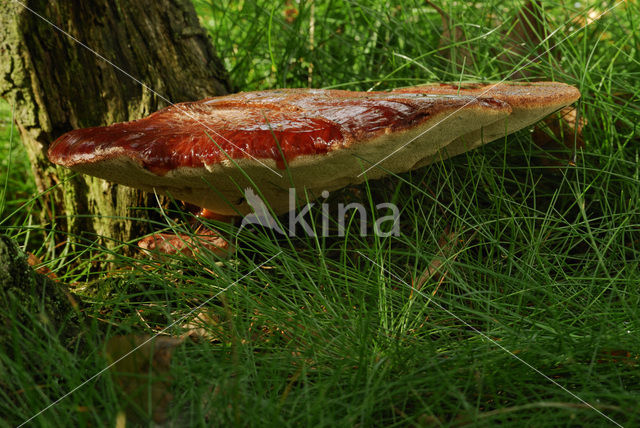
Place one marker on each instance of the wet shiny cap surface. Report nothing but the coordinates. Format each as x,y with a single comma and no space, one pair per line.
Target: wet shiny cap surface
278,125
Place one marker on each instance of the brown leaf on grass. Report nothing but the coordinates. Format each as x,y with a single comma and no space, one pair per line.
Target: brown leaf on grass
447,244
618,356
34,261
206,326
563,128
121,419
143,373
453,40
560,131
425,420
589,16
290,12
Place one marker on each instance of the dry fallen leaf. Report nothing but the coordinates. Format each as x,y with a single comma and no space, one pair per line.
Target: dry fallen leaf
34,261
618,356
562,128
447,243
144,372
206,326
290,12
559,132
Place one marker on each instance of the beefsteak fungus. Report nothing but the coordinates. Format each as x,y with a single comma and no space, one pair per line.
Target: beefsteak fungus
208,152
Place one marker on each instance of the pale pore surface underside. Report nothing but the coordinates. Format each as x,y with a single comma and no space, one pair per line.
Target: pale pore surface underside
530,102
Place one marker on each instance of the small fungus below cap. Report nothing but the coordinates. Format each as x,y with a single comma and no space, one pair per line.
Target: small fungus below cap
160,244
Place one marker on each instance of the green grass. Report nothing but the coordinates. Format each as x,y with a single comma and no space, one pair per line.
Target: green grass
544,264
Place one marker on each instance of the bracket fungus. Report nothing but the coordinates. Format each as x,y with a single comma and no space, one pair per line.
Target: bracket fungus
207,152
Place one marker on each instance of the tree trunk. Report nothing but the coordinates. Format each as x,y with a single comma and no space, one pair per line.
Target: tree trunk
56,84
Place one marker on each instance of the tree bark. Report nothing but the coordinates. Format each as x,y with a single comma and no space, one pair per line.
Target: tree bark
55,85
25,293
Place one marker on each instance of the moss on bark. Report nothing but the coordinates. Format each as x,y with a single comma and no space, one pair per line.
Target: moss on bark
32,302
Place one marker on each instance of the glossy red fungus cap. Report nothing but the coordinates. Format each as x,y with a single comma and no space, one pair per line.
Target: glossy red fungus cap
208,152
251,125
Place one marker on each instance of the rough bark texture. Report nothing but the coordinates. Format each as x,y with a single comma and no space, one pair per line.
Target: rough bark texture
55,85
